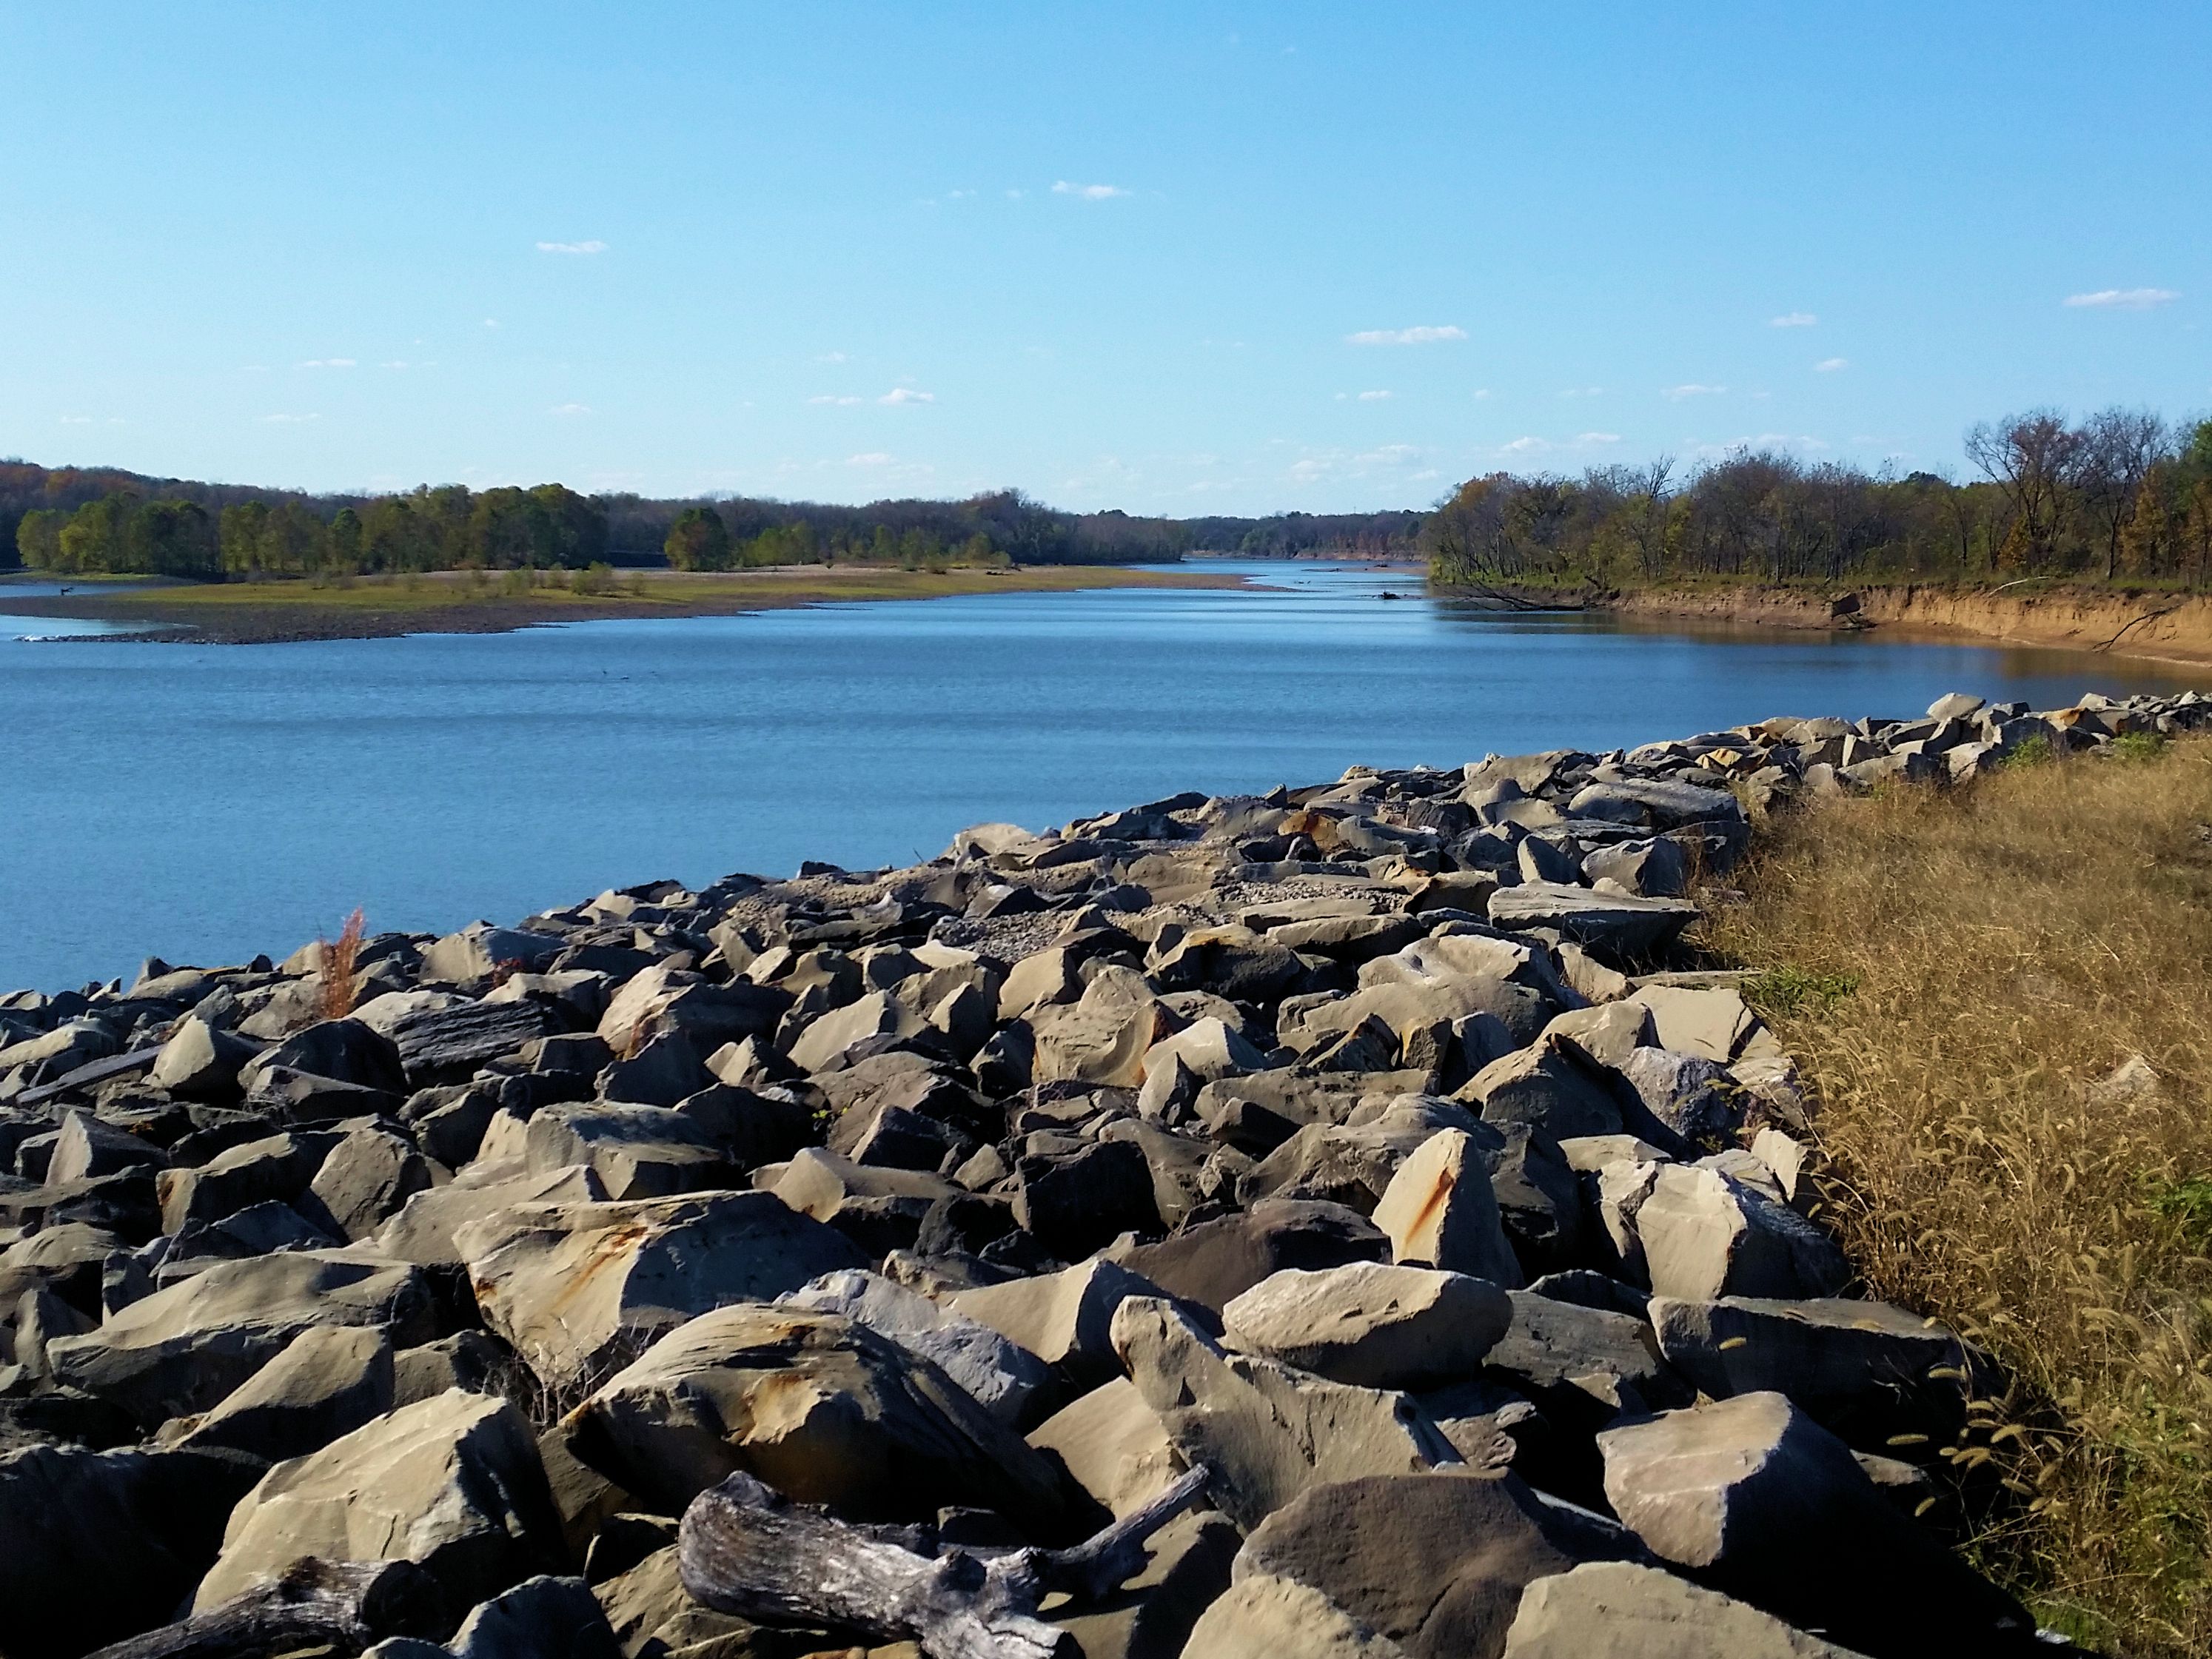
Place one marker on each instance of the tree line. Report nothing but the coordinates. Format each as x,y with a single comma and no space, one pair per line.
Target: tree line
2121,495
105,521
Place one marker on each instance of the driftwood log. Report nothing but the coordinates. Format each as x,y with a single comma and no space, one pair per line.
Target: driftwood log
345,1607
746,1549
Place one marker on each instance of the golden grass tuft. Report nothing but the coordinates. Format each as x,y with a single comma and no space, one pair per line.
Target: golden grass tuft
1959,974
335,974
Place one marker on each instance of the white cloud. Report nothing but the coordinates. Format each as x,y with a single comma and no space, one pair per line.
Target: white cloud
570,408
77,420
1584,392
957,195
1524,446
1425,334
906,394
872,458
1374,396
491,322
1016,195
396,363
1693,390
1088,192
288,420
1597,437
330,362
840,402
2123,299
572,247
1830,365
832,357
1794,320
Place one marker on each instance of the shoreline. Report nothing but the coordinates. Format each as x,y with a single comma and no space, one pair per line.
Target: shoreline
2141,625
277,613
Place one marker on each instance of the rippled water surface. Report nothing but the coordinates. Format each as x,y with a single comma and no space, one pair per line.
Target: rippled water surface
205,802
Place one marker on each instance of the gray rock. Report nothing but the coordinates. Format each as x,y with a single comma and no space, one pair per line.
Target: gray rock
1435,1564
477,950
452,1484
362,1183
329,1381
1111,1444
1065,1319
1266,1432
1705,1236
1764,1504
279,1167
342,1050
102,1544
1618,1610
1552,1086
449,1045
1208,1264
183,1349
636,1152
1439,1210
1884,1379
541,1618
1370,1324
575,1288
1000,1375
1619,924
821,1408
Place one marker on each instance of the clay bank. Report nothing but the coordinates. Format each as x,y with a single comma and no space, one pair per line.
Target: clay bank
1321,1223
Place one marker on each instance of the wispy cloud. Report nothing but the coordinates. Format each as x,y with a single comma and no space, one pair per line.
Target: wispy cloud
2123,299
1424,334
1597,437
906,394
1088,193
570,408
1481,392
1793,319
330,362
491,322
572,247
288,420
1692,389
1584,392
1374,397
832,357
77,420
395,363
826,397
1830,365
871,458
1525,445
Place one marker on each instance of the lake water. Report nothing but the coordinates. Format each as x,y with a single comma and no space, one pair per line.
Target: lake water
202,803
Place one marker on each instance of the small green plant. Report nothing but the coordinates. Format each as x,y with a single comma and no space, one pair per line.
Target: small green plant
2188,1204
517,582
2036,751
593,580
2137,747
1787,990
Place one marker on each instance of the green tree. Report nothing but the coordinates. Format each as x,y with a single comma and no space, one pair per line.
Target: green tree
698,540
343,544
240,535
39,540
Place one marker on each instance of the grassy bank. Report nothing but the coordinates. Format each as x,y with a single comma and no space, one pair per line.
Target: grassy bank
1962,973
478,602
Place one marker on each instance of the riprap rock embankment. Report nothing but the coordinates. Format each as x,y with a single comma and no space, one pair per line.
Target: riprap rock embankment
1308,1224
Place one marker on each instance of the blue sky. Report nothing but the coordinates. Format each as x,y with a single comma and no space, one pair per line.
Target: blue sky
1179,258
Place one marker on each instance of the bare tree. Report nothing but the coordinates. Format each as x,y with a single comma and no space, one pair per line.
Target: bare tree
2033,458
2117,447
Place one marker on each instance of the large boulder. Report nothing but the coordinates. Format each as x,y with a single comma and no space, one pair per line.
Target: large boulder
452,1484
1112,1445
1065,1319
1874,1374
1439,1210
1762,1503
1213,1261
329,1381
1614,924
1705,1236
636,1152
98,1546
1000,1375
278,1167
1618,1610
1437,1563
451,1044
576,1288
184,1348
820,1407
1265,1432
342,1050
1371,1324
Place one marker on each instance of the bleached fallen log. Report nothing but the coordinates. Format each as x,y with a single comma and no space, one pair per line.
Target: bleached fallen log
746,1549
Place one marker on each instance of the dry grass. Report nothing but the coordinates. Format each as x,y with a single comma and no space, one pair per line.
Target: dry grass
336,988
1958,973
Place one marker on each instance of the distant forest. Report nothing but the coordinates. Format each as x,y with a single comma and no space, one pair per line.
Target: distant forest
102,521
2120,495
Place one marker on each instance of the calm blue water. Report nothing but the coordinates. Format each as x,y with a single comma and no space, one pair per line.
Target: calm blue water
205,802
